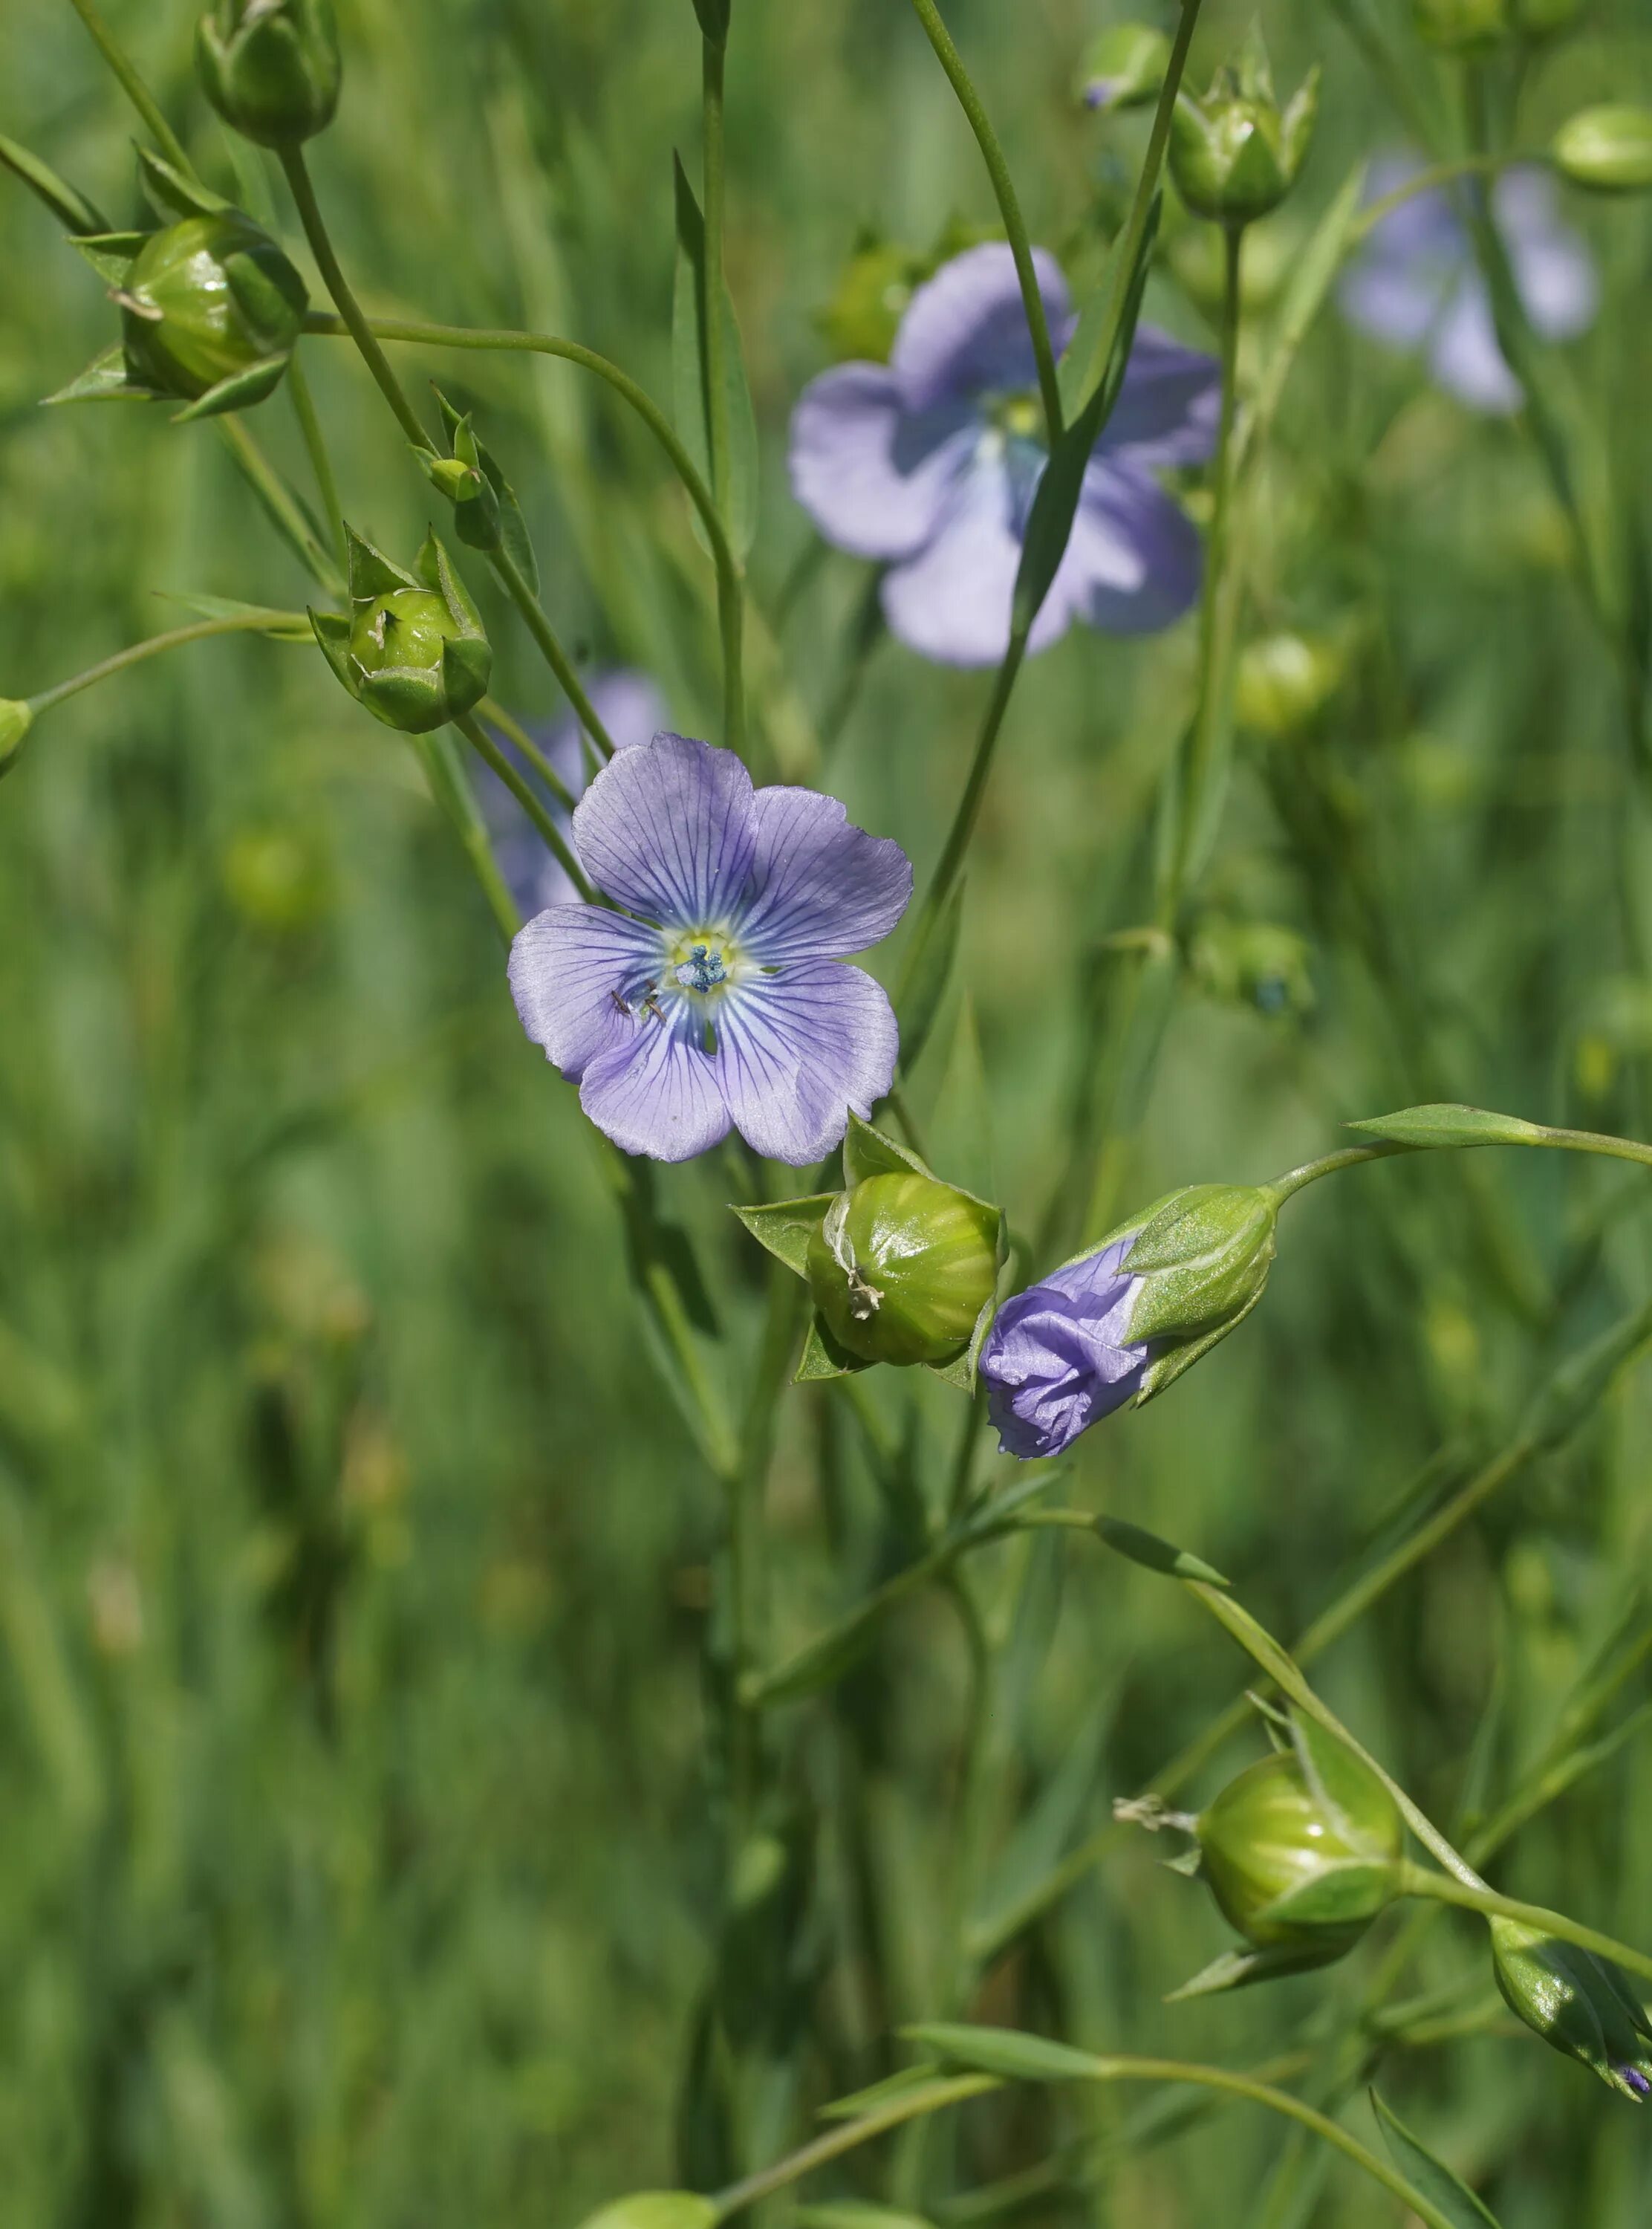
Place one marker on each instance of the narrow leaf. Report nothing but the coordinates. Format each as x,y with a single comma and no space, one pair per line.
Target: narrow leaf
880,2093
1450,1125
1432,2177
282,626
1155,1555
1004,2051
689,373
72,209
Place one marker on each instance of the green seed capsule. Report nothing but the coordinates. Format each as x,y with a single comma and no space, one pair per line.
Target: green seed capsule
207,300
1302,1851
413,650
902,1267
1608,150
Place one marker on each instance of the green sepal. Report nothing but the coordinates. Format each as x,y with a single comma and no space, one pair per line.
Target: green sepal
1155,1555
511,531
822,1357
786,1227
171,194
1240,1969
435,571
1189,1864
106,379
72,209
267,307
238,392
332,633
1447,1124
1005,2051
371,573
960,1371
1163,1369
413,702
1341,1896
467,668
869,1152
111,255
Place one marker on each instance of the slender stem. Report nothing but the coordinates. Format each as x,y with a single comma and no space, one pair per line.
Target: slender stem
909,2105
1217,615
512,728
134,88
315,441
1003,186
1418,1881
489,753
1327,1165
280,506
457,807
1427,182
729,572
271,622
1595,1141
711,274
520,590
321,247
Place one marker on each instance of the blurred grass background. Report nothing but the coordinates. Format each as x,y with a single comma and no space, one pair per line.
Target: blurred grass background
355,1869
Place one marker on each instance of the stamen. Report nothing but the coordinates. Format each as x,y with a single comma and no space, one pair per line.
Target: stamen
703,969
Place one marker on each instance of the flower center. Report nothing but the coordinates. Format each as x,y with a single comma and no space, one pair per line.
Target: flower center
1018,415
702,962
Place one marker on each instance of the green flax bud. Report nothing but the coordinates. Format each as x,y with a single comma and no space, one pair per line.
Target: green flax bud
1608,149
1234,154
1461,27
1304,1850
1580,2004
1124,67
1201,1257
15,720
901,1267
270,68
211,303
412,650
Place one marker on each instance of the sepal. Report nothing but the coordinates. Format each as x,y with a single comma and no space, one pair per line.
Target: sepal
111,255
170,195
106,379
238,392
786,1227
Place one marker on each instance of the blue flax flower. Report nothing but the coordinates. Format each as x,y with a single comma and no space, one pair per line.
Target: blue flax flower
929,463
631,708
1416,285
1058,1356
711,991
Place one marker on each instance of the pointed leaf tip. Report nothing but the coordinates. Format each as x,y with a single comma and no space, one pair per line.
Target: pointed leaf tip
1155,1555
1448,2193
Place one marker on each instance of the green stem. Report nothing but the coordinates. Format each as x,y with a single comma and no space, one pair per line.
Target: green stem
1003,187
489,753
315,441
909,2105
520,590
134,89
497,716
280,506
1418,1881
321,247
711,273
271,622
1327,1165
445,776
730,576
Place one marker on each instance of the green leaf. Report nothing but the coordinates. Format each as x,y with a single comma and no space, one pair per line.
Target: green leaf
72,209
1450,1125
688,378
1154,1554
786,1227
1004,2051
868,1152
1432,2177
655,2209
880,2093
282,626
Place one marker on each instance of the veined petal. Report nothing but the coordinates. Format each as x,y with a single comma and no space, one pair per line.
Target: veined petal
1058,1356
568,966
1169,405
820,888
872,475
668,829
631,708
1135,561
657,1094
965,329
952,602
798,1049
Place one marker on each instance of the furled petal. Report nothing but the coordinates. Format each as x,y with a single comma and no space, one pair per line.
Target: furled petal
567,967
1058,1356
668,829
1170,404
820,888
657,1094
1464,357
952,602
872,475
964,332
799,1050
1134,562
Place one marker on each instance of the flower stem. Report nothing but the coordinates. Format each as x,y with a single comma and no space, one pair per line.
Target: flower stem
497,716
489,753
282,626
729,572
445,773
1003,187
315,441
1427,182
711,272
1327,1165
1418,1880
321,247
134,89
281,507
520,590
908,2105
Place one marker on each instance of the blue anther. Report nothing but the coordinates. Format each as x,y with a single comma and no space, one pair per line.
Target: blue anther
702,970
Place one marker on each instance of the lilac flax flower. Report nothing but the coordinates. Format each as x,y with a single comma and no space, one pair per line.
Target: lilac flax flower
1416,287
1058,1356
711,990
928,465
631,708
